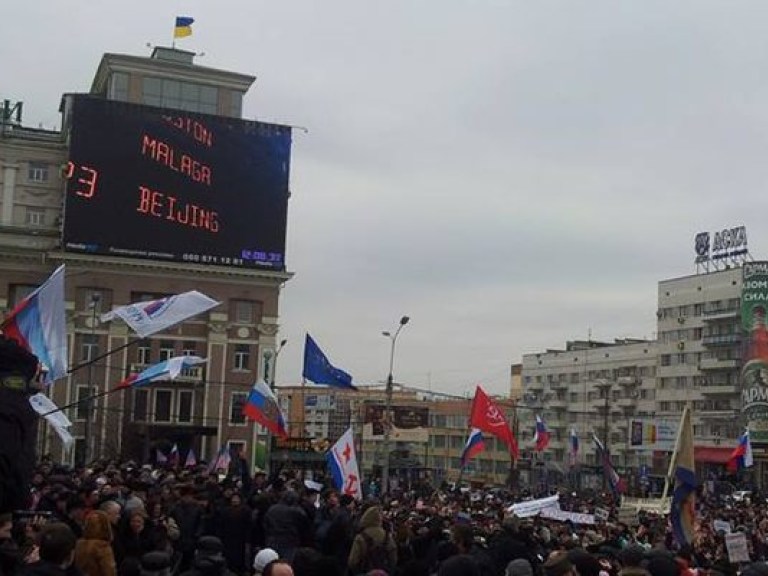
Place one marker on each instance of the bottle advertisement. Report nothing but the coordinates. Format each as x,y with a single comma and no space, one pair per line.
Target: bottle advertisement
754,372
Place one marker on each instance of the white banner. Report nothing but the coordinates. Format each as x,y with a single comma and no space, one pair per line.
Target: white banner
555,513
736,543
533,507
657,505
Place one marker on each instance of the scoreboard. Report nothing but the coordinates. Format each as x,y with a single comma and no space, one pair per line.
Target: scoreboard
145,182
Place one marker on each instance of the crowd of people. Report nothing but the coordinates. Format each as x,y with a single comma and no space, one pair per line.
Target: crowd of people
131,520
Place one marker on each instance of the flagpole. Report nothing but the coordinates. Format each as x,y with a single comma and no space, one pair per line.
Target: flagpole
672,461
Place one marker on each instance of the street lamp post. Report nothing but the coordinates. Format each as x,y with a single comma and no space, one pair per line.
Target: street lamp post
388,405
271,383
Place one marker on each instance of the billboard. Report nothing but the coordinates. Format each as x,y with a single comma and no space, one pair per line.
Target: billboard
754,371
411,423
147,182
652,434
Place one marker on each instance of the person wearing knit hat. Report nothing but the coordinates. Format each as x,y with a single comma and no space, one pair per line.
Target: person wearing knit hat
264,557
558,564
519,567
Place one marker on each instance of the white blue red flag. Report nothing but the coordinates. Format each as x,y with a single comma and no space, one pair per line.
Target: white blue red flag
342,460
166,370
147,318
160,458
39,324
741,457
541,435
473,447
173,458
262,406
573,447
222,461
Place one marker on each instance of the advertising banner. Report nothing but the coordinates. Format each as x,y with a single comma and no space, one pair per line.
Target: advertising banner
754,372
652,434
411,423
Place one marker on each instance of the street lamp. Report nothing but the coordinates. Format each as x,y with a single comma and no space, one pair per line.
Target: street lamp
271,384
388,406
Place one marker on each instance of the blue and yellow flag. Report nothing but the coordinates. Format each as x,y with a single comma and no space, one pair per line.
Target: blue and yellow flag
683,470
183,27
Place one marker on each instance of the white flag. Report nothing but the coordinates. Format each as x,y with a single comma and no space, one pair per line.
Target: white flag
54,416
342,461
147,318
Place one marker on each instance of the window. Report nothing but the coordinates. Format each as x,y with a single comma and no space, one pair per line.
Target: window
79,452
439,441
140,405
457,442
144,355
237,401
82,408
166,350
35,217
92,300
118,86
242,356
189,349
163,401
237,104
185,406
18,292
38,172
236,447
243,312
89,347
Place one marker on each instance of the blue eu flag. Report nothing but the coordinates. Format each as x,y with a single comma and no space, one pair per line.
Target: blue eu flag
318,369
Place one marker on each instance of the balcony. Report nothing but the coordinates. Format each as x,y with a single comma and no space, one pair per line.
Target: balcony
626,402
718,364
720,314
719,389
557,403
721,340
533,386
628,380
559,385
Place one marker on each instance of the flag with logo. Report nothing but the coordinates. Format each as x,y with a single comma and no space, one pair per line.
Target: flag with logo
318,369
166,370
342,462
46,408
741,457
682,468
147,318
262,406
488,417
473,447
38,323
541,435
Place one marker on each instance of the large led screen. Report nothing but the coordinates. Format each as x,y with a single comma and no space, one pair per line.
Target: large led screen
146,182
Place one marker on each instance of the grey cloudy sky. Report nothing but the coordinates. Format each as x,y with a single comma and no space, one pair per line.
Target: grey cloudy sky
509,174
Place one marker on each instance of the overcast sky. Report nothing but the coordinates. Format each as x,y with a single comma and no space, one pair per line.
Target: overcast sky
509,174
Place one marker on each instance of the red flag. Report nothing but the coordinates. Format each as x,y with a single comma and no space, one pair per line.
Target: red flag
487,416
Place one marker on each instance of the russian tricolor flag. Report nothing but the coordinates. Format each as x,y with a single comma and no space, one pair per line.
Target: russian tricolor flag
39,324
262,407
541,435
473,447
741,457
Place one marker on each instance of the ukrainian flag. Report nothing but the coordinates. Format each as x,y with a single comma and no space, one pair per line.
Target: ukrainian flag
183,27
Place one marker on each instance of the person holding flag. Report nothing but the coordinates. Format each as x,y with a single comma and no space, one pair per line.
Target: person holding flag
741,457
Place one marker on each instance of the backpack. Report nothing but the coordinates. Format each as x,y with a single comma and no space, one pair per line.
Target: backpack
376,555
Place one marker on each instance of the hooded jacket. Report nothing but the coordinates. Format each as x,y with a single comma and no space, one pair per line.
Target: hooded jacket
93,552
371,525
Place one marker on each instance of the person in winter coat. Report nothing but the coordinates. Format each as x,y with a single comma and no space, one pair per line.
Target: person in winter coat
285,526
373,548
57,547
93,552
232,528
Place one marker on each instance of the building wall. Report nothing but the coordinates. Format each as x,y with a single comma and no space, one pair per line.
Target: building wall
204,404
